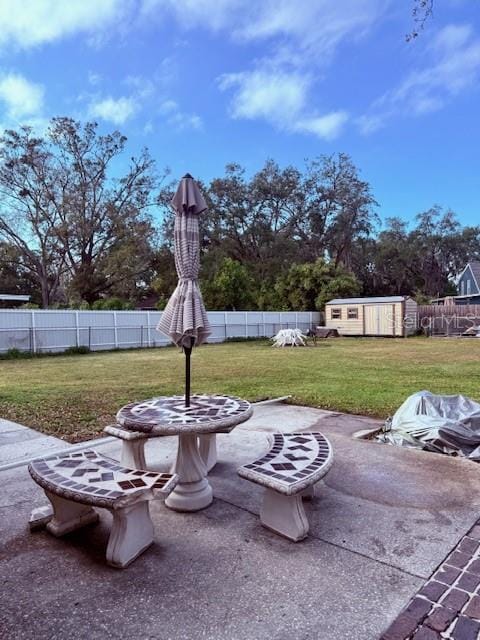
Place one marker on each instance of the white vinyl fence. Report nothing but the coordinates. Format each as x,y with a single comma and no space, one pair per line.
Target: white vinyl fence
42,331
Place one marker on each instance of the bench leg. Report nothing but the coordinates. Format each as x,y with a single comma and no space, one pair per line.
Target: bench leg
68,515
284,515
131,534
133,454
309,493
207,444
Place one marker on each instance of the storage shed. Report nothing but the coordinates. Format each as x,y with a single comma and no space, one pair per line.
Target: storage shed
385,316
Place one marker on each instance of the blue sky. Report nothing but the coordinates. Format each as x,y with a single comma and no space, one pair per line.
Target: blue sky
206,82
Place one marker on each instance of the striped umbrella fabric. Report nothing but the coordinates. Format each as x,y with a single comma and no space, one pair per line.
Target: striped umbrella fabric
184,319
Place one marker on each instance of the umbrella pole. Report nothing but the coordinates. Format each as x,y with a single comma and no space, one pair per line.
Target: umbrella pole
188,353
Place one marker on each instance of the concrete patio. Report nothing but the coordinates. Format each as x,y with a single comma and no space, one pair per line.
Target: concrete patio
382,522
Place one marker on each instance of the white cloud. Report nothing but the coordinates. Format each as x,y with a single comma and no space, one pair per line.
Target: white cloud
454,67
148,128
213,14
282,99
301,37
21,97
179,119
452,37
328,126
27,23
277,97
318,27
168,107
94,78
117,110
312,24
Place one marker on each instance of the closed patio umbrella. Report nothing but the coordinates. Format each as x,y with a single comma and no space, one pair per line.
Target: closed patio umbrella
184,319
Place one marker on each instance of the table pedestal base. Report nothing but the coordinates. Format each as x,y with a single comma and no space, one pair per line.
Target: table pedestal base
192,492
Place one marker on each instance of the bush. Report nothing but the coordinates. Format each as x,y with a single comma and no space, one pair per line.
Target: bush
76,350
15,354
112,304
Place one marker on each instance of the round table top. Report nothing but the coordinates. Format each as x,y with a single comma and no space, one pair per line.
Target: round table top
167,415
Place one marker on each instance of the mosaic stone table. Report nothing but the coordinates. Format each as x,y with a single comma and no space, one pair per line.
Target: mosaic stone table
167,415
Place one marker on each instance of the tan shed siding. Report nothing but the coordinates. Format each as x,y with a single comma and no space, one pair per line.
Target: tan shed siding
385,319
398,319
411,319
375,319
345,326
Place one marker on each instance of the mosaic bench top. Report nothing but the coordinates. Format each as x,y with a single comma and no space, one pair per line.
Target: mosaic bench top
295,462
90,478
167,415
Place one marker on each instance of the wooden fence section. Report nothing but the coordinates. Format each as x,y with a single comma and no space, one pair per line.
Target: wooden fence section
448,320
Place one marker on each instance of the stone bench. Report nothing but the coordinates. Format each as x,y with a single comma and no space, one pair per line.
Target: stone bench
289,471
133,446
76,482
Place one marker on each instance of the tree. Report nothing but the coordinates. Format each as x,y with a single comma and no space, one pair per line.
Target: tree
422,11
72,223
14,277
441,248
231,288
282,216
338,208
394,261
422,261
309,286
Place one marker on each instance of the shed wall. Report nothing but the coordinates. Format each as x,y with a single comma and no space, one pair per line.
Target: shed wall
376,319
411,316
345,326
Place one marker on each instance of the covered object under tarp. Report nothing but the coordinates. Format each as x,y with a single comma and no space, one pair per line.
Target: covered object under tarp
446,424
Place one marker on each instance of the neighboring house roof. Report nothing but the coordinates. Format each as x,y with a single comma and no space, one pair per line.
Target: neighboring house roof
474,267
368,300
11,296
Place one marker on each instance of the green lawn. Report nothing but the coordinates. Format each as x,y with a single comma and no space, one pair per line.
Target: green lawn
75,396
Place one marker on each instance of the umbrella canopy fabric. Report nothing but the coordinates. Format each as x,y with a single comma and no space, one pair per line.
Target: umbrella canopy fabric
184,319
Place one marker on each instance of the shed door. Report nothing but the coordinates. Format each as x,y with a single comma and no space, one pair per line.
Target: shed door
372,319
387,320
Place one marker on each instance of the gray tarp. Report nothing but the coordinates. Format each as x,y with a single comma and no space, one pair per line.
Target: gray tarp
450,424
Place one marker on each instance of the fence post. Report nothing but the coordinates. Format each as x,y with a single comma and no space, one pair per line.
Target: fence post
141,336
77,328
225,325
34,337
90,337
264,327
296,319
246,324
149,340
115,331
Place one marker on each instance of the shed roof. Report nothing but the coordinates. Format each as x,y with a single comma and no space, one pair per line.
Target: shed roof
368,300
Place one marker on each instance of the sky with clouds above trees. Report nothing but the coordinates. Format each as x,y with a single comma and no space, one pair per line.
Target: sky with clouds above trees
206,82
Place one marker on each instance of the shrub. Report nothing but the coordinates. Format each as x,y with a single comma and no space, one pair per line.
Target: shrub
77,350
111,304
15,354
